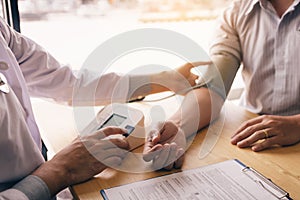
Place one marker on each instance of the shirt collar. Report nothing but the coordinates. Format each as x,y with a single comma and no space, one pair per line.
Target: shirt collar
264,3
251,7
292,7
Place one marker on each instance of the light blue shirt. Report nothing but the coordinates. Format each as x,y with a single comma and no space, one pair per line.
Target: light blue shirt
250,32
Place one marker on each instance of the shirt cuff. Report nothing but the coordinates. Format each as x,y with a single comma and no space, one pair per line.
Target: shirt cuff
34,188
12,194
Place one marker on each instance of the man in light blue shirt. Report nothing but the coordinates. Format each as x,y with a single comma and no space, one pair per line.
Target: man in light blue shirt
264,36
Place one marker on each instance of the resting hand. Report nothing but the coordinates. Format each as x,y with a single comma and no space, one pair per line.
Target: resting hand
165,146
270,130
84,158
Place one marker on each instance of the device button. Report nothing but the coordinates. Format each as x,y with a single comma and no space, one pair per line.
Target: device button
129,130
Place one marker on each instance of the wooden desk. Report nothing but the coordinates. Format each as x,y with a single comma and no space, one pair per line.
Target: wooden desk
281,165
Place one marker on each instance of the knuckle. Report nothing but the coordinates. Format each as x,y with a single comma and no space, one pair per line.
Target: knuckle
238,137
246,124
79,143
264,117
243,124
109,129
246,142
188,64
249,129
271,122
117,143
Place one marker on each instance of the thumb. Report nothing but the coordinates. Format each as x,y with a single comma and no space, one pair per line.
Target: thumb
153,137
154,134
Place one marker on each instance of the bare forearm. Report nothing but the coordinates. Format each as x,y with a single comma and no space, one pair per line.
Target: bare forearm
176,80
143,85
198,109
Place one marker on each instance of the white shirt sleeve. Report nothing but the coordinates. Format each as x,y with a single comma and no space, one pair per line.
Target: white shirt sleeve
225,48
46,77
11,194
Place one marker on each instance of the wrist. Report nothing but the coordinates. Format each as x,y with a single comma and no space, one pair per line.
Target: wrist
54,175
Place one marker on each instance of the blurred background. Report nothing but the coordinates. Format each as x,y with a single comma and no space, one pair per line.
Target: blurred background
71,29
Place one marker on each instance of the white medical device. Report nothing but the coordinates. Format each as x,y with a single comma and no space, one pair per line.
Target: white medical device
123,116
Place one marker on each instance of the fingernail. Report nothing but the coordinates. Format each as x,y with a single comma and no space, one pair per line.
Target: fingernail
152,135
239,144
255,149
233,141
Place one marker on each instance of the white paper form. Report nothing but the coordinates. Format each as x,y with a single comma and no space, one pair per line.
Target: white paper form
223,181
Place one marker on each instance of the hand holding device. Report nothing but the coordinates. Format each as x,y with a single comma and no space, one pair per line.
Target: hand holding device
85,157
123,116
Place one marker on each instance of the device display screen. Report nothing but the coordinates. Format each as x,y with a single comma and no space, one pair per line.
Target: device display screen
113,120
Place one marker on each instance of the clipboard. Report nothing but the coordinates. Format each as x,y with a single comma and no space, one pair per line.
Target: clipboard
264,182
242,183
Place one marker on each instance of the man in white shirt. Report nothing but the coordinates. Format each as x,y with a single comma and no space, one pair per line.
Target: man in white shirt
264,35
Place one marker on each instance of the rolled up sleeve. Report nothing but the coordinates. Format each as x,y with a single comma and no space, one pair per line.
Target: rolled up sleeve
225,50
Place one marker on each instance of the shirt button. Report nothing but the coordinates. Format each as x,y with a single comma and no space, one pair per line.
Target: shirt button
3,65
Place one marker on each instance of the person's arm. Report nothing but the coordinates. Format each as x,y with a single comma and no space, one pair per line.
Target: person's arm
178,80
46,77
205,102
78,162
165,144
226,55
30,188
